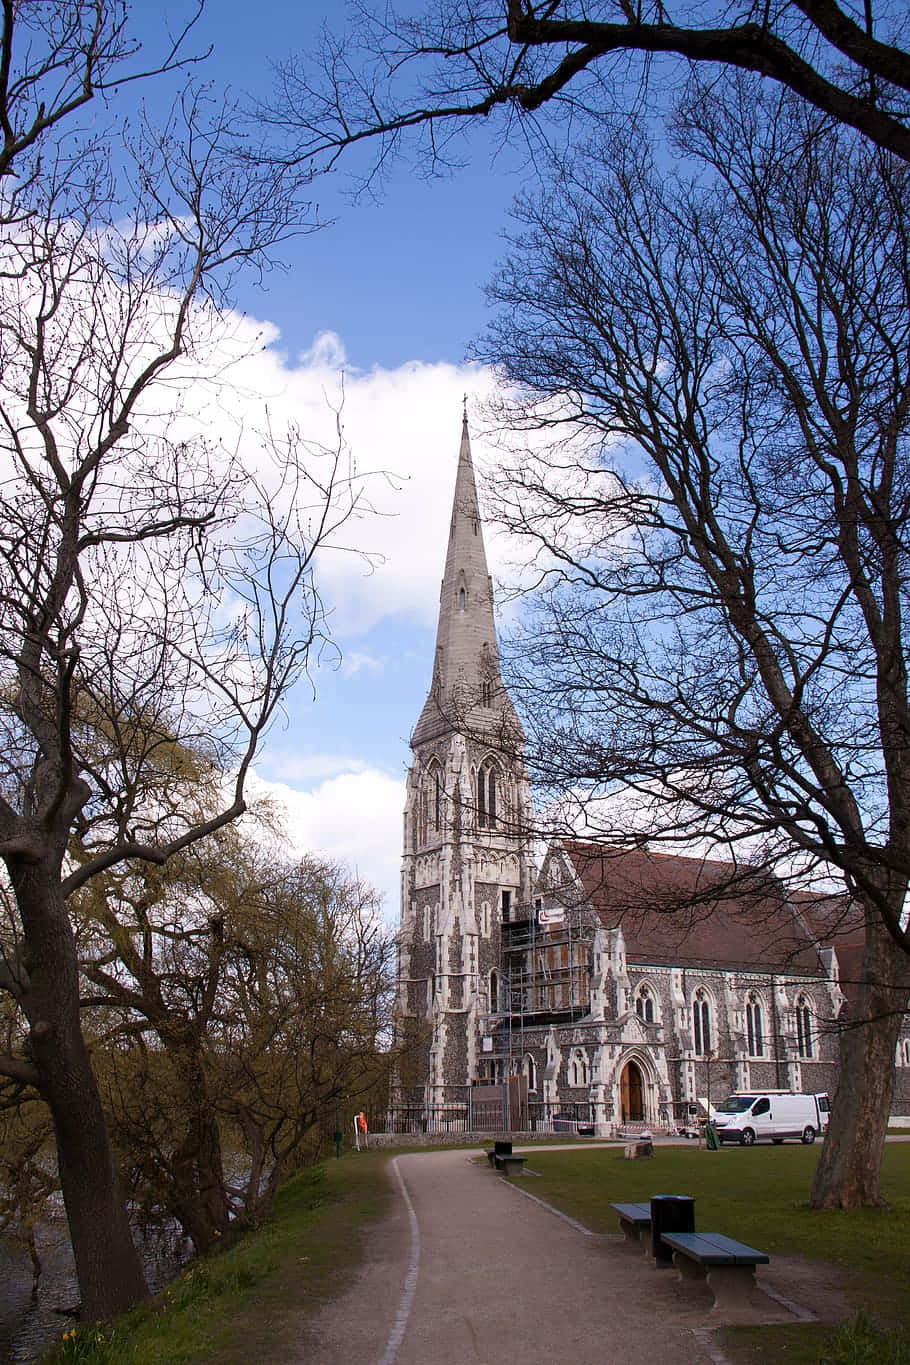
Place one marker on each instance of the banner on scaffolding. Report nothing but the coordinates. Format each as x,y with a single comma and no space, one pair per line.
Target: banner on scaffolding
554,914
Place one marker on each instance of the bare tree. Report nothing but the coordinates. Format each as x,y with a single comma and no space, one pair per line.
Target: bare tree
56,58
394,73
719,366
155,589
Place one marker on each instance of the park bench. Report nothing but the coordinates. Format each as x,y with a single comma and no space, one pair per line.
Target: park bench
725,1266
635,1221
502,1147
509,1163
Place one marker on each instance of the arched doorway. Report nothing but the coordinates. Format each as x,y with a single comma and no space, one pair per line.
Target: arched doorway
632,1093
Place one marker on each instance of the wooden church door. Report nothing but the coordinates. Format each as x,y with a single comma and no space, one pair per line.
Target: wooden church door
631,1094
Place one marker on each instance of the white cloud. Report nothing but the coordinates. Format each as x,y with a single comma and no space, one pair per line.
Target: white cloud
354,817
357,662
403,429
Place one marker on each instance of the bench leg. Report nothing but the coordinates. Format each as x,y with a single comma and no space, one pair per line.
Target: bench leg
631,1234
688,1270
733,1287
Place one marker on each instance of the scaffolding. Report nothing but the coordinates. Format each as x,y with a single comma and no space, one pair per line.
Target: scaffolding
545,979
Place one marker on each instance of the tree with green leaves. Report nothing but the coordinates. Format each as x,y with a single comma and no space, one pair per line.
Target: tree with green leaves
235,1000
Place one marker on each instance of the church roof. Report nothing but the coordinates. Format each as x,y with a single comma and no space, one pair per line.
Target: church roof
466,693
694,912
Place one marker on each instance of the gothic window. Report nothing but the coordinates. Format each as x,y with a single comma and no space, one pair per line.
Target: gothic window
431,812
578,1068
804,1043
431,989
701,1023
644,1005
486,795
461,599
530,1070
494,992
754,1031
506,906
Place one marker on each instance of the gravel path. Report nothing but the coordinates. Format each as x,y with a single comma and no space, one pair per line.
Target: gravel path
470,1267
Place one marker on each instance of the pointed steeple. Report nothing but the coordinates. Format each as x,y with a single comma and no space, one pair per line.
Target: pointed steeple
466,694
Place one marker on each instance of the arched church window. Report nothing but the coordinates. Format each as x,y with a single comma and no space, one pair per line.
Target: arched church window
461,599
644,1005
701,1023
804,1044
754,1029
494,992
578,1069
431,989
486,795
486,693
530,1070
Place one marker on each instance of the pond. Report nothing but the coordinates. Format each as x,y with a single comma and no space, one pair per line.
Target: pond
27,1328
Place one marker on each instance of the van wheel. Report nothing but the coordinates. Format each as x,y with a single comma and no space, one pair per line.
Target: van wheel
777,1141
808,1134
747,1138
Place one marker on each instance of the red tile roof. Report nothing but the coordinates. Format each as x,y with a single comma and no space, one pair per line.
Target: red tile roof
695,912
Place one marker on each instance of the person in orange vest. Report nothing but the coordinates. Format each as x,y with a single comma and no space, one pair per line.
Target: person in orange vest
362,1127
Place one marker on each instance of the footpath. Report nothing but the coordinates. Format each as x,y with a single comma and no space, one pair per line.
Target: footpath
471,1268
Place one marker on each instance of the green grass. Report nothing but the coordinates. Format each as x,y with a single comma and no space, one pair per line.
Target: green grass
759,1195
246,1302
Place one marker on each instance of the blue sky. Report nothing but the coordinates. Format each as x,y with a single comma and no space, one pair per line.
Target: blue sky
389,296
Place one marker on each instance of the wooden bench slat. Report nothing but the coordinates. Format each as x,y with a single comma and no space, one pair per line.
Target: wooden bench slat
633,1213
506,1162
713,1248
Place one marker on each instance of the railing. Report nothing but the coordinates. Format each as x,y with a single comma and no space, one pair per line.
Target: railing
479,1115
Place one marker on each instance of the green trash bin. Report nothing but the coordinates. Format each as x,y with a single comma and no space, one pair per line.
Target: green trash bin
712,1141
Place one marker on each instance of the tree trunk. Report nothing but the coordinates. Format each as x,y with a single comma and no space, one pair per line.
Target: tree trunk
199,1199
107,1265
847,1175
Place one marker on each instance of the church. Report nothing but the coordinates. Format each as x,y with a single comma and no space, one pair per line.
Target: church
611,990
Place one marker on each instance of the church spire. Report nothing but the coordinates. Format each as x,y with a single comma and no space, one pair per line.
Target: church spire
467,691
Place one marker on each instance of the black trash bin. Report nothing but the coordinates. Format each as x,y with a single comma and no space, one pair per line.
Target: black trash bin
669,1213
502,1148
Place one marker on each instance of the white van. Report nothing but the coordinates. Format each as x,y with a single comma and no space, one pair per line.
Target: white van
776,1114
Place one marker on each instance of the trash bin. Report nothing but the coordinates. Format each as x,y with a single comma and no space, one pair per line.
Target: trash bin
669,1213
502,1148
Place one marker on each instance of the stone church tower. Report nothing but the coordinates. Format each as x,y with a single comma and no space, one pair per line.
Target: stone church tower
466,865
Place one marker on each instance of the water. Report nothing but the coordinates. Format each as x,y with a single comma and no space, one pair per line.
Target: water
27,1329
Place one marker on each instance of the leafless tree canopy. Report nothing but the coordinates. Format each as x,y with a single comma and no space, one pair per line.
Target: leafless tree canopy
392,73
717,360
157,581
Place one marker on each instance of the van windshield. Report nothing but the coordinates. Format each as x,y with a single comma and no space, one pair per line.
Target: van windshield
737,1104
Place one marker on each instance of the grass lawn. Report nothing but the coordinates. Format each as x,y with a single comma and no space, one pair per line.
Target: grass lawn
246,1302
758,1195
